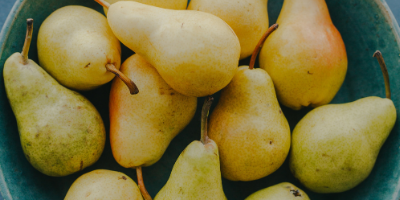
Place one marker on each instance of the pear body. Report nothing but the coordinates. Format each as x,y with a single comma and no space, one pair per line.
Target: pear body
334,147
75,44
143,125
169,4
281,191
306,57
195,175
61,132
248,18
249,127
103,184
196,53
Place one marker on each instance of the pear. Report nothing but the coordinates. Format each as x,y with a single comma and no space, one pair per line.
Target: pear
306,58
335,146
77,47
196,53
248,18
169,4
281,191
61,132
196,174
248,125
103,184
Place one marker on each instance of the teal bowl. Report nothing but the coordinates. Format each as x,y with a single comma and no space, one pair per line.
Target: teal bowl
365,25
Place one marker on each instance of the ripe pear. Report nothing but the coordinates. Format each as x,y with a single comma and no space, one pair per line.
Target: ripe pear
143,125
248,18
249,126
196,53
335,146
169,4
281,191
306,58
77,47
61,132
103,184
196,174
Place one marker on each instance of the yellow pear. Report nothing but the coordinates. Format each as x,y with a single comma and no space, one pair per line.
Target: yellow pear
103,184
77,47
306,58
249,126
169,4
248,18
196,53
281,191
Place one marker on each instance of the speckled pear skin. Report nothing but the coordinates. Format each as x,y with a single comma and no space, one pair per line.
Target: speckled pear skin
334,147
248,18
196,175
169,4
103,184
61,132
249,127
143,125
281,191
196,53
74,46
306,57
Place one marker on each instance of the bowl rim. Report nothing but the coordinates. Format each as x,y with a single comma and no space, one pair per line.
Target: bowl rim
5,31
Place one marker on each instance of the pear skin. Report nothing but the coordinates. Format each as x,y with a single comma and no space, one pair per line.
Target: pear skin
74,46
103,184
196,53
334,147
248,18
281,191
306,57
61,132
249,127
168,4
143,125
195,175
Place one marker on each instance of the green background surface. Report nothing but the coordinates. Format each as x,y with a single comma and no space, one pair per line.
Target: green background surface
364,27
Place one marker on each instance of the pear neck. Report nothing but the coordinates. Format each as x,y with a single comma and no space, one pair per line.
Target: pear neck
304,11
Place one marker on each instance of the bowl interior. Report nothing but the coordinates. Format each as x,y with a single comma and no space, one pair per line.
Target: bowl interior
365,27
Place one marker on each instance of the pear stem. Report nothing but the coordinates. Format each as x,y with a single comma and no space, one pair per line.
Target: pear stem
204,115
28,40
103,3
142,188
260,43
128,82
379,57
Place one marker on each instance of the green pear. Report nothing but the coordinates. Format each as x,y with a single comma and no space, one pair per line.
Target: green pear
335,147
196,53
281,191
196,174
103,184
143,125
248,18
249,126
61,132
306,58
77,47
169,4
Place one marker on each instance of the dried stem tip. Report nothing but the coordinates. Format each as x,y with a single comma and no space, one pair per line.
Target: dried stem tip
204,114
379,57
142,188
128,82
28,40
103,3
260,43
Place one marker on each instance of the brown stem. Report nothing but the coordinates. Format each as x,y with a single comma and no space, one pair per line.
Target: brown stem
204,114
103,3
379,57
260,43
28,39
131,85
142,188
